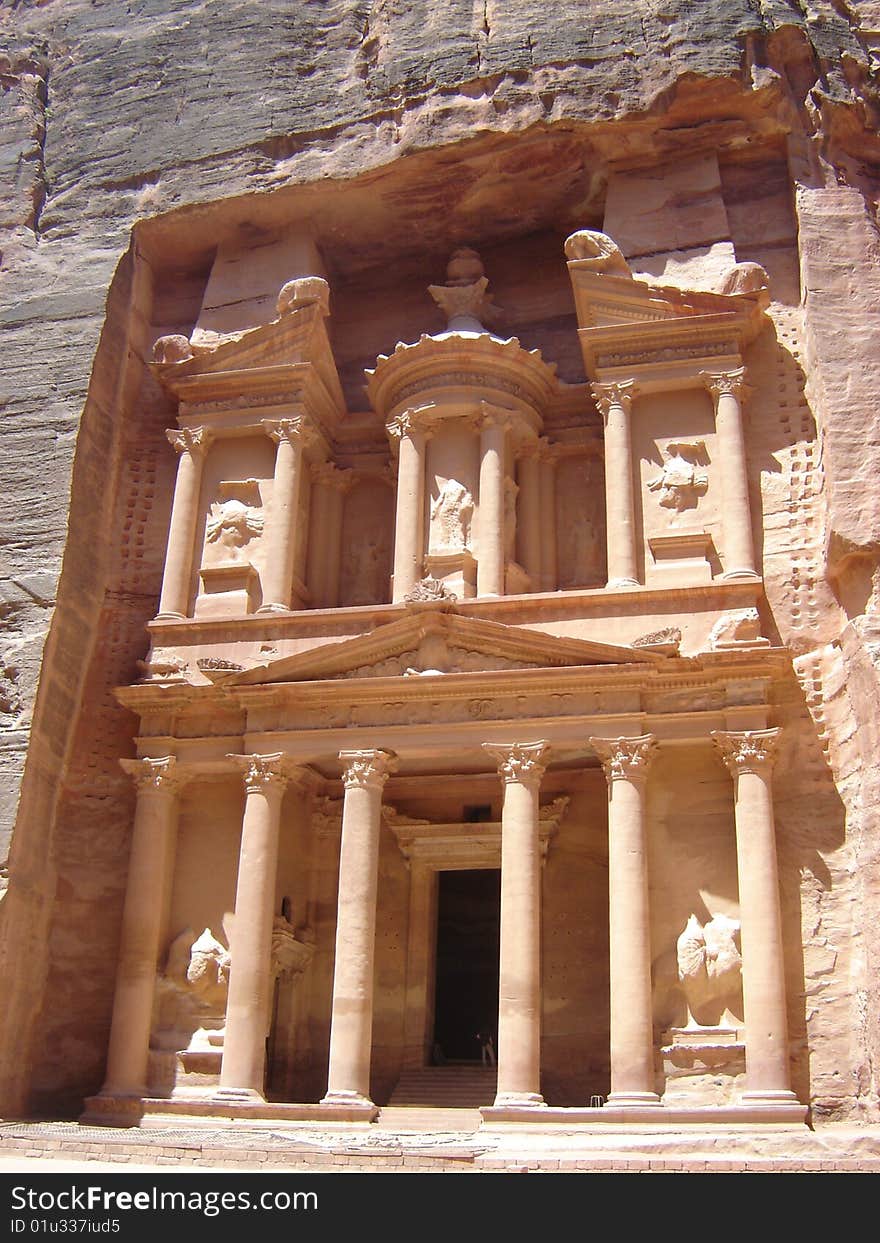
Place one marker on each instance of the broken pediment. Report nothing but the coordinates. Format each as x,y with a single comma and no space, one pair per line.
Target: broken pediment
624,320
435,644
290,356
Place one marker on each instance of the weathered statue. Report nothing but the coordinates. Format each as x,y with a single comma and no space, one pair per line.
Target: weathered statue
680,484
451,515
709,967
231,524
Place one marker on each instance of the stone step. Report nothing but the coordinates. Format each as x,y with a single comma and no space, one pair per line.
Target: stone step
420,1118
462,1087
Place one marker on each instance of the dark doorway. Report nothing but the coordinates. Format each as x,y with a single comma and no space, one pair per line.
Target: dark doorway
468,931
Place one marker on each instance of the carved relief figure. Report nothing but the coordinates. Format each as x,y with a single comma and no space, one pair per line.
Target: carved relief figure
451,514
231,525
680,484
511,491
364,571
709,967
191,993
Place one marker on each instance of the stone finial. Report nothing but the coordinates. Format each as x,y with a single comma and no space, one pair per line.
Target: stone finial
304,291
174,348
592,249
430,591
463,299
745,278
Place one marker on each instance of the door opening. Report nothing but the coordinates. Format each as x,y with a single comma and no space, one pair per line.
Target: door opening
468,942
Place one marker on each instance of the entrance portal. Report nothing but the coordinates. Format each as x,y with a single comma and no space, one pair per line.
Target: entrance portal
468,939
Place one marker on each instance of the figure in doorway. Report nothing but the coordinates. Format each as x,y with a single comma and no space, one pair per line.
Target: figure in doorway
487,1048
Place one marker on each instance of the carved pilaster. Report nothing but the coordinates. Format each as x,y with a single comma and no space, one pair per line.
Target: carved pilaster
191,444
615,404
625,759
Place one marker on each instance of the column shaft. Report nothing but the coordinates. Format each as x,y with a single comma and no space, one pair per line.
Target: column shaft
490,562
519,999
351,1023
290,436
176,581
626,762
728,391
250,976
749,757
409,527
615,401
155,823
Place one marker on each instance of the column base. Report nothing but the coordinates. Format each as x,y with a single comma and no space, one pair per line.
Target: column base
349,1099
614,583
633,1100
768,1096
272,608
519,1100
170,617
239,1096
739,574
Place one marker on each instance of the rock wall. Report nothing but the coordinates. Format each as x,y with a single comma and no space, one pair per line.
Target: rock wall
131,150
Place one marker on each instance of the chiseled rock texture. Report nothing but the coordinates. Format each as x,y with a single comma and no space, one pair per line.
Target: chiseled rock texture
134,141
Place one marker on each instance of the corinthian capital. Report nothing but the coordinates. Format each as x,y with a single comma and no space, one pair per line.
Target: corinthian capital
625,759
749,751
727,384
296,430
162,774
264,772
191,440
367,770
518,761
607,396
330,476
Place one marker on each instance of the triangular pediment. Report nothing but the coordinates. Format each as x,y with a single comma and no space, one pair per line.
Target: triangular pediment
431,643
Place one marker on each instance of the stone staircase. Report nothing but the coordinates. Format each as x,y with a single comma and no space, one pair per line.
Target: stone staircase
439,1098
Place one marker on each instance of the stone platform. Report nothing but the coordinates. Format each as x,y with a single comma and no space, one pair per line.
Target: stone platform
328,1148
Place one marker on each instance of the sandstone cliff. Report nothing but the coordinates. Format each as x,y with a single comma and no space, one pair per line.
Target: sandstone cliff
133,141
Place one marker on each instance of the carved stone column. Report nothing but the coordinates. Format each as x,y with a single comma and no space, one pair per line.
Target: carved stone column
749,758
729,391
519,1001
490,562
530,514
549,557
409,524
152,843
250,973
325,535
191,444
615,403
626,762
291,436
351,1023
